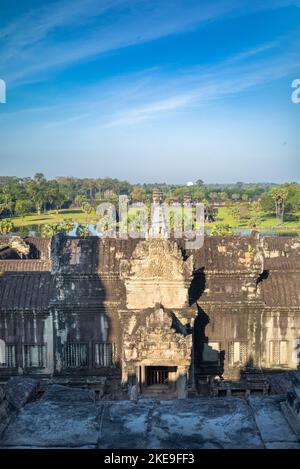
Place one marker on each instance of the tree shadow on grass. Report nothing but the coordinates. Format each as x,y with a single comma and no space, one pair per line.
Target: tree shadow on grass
67,212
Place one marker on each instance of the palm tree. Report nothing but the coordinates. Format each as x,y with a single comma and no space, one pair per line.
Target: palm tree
6,226
88,209
222,230
8,198
37,190
138,194
83,231
50,230
55,228
223,196
235,197
80,200
65,226
213,196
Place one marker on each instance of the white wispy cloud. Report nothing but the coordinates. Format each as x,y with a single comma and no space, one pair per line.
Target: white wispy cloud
202,85
66,32
145,95
151,93
135,98
138,114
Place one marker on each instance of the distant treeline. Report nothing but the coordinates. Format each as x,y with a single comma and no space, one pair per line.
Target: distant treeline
20,196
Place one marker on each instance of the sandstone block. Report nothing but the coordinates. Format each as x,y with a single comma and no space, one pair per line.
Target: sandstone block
19,390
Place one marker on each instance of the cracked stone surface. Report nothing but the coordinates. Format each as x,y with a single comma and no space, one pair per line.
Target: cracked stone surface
71,418
64,394
20,390
45,424
272,424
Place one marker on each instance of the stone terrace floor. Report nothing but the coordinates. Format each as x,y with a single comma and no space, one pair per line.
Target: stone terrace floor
68,418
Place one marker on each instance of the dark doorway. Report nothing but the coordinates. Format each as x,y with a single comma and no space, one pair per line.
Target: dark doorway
159,380
157,375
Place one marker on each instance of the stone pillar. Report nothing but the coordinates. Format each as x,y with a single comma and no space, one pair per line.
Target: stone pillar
143,378
181,383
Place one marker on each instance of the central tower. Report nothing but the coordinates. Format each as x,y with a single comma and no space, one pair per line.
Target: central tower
157,339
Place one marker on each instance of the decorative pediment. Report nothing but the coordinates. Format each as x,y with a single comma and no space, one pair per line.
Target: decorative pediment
159,319
157,259
157,273
159,339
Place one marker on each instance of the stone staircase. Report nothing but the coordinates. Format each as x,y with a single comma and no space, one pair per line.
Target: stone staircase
158,392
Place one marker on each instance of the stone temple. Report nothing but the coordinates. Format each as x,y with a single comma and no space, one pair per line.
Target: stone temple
147,317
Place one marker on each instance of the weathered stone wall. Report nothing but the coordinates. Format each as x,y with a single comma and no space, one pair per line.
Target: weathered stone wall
14,395
157,273
4,410
82,297
251,299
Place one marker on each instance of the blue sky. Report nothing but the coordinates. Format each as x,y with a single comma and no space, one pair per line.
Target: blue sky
151,90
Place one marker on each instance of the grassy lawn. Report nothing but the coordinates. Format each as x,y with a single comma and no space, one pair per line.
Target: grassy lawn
224,217
53,216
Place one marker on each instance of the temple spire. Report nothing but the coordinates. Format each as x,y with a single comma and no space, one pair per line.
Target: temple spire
158,225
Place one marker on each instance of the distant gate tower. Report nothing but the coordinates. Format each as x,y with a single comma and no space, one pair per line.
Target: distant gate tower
158,225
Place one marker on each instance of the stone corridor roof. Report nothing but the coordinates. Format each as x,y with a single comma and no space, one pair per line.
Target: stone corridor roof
228,263
25,291
281,289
